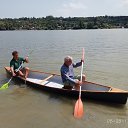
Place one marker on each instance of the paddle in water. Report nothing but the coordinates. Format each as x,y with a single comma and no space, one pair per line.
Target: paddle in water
79,109
6,85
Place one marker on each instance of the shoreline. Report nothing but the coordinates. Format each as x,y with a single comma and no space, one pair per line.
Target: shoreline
62,23
66,29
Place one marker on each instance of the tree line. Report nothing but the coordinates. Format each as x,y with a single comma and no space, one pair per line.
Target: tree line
61,23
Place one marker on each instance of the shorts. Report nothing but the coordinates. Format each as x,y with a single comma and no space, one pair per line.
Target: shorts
78,77
21,69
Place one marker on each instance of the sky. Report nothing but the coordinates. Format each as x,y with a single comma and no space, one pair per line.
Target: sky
65,8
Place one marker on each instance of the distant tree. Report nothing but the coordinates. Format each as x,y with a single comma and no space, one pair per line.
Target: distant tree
57,23
90,25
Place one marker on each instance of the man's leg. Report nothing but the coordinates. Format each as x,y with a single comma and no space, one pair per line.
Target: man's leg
77,87
20,73
68,85
79,77
83,78
26,72
23,72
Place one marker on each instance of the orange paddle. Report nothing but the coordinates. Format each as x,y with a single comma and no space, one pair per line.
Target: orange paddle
79,109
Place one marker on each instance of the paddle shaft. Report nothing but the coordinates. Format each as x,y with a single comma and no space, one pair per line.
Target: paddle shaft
10,80
81,79
81,74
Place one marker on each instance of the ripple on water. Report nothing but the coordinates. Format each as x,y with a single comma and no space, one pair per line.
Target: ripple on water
106,62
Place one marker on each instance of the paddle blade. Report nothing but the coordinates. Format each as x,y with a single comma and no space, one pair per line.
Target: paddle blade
5,86
79,109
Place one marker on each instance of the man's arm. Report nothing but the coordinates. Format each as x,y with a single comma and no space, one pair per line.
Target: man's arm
75,65
12,71
76,82
70,79
24,59
64,74
12,68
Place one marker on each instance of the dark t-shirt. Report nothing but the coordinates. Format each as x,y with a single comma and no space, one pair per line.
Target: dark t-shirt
16,63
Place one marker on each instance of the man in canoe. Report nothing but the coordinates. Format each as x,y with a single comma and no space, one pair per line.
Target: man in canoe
16,62
67,74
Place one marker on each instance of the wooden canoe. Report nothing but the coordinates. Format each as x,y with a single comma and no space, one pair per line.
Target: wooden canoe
52,83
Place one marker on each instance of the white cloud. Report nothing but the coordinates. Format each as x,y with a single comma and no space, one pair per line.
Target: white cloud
125,3
73,7
121,7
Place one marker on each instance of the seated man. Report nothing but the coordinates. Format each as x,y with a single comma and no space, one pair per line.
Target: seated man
67,74
16,62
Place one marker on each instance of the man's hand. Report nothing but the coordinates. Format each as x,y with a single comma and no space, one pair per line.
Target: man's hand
26,59
12,71
13,74
78,82
82,60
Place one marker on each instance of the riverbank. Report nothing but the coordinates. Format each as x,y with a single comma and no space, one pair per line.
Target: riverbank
61,23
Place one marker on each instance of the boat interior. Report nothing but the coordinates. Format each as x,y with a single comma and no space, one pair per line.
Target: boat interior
54,80
46,79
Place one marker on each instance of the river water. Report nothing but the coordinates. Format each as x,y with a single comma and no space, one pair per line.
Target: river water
106,62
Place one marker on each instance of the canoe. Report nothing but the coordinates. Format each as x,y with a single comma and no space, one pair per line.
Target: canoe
52,83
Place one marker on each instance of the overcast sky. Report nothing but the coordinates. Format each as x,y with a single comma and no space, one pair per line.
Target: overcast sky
65,8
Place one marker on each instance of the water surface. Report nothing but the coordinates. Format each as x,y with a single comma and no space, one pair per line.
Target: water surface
106,62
